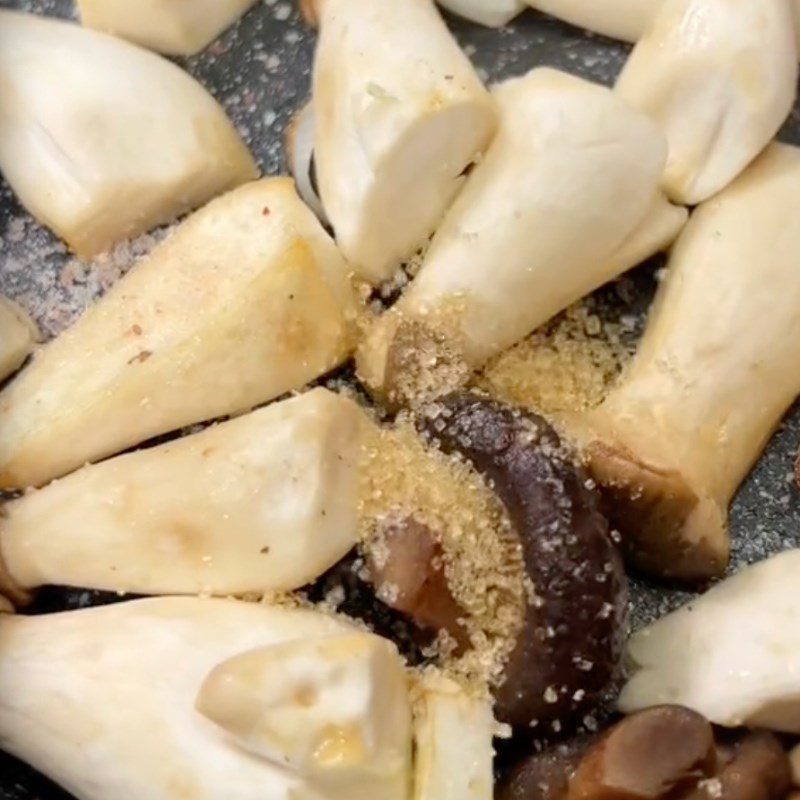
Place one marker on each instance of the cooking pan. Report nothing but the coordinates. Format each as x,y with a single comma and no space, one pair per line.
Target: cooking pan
260,72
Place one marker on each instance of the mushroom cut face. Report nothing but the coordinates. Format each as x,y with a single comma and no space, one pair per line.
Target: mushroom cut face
568,648
399,114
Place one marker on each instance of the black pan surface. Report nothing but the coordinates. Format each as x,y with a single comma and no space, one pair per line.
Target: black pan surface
260,72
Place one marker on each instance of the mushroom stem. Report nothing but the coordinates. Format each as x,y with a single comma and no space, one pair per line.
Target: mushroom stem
264,502
492,13
246,300
512,253
103,140
102,700
714,373
720,79
18,334
732,654
399,114
619,19
179,29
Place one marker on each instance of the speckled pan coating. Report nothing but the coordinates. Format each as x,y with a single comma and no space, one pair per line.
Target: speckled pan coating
260,72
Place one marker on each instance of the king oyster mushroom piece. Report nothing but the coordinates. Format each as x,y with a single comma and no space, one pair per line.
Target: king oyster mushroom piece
720,78
102,140
512,252
714,373
335,710
399,113
619,19
179,29
102,700
246,300
492,13
267,501
732,654
18,335
453,735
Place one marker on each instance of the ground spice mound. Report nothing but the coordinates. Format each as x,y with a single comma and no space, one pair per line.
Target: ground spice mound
568,365
482,553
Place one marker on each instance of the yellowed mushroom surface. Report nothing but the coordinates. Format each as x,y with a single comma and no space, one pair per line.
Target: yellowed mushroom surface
247,299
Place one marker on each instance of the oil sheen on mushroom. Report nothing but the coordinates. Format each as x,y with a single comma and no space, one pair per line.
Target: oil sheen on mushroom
570,641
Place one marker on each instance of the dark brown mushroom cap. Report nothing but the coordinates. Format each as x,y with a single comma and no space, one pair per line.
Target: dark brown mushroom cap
569,647
647,756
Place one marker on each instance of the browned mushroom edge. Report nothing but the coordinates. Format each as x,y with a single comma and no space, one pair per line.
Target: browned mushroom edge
569,647
661,753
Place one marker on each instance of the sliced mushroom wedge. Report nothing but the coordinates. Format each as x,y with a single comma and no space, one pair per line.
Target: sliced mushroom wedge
103,700
619,19
102,140
492,13
732,654
720,78
399,114
714,373
335,710
178,29
18,335
264,502
512,253
568,648
247,299
453,743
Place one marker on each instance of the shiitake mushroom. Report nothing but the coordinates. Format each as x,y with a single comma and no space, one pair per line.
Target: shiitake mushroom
661,753
570,642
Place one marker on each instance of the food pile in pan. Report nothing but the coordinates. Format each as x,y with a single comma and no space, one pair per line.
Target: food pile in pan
400,586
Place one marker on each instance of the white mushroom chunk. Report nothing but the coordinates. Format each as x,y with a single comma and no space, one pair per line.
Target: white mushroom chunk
246,300
732,654
102,700
102,140
712,377
511,252
453,737
334,710
400,114
619,19
719,77
492,13
178,29
266,501
18,335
